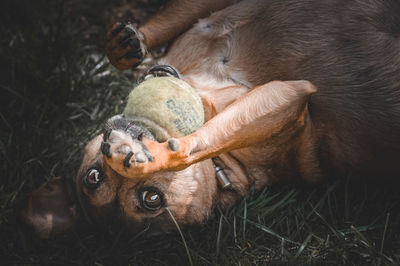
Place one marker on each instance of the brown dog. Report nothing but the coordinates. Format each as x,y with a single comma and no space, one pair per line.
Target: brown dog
336,112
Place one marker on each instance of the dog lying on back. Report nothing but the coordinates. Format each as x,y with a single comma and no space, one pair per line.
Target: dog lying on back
292,89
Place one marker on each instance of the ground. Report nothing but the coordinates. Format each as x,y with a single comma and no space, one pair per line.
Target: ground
57,88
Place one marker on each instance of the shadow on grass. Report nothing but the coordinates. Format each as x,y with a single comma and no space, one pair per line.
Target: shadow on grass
57,89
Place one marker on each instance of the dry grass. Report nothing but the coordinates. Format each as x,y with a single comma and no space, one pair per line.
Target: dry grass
57,88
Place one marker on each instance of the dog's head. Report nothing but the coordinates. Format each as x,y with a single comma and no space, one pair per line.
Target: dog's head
100,195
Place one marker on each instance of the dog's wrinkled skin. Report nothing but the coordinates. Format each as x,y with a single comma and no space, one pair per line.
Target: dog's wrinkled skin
342,116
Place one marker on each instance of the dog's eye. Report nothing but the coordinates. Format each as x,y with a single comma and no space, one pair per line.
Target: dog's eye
151,199
93,178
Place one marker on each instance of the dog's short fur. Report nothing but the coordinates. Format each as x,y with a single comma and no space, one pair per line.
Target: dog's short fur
293,89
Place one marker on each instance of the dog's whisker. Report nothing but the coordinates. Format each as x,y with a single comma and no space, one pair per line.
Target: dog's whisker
107,134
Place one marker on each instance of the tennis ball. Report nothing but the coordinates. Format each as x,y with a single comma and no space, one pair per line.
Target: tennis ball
169,102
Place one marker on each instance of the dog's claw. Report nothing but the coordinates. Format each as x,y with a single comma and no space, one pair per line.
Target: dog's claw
106,134
130,31
148,154
131,42
127,159
134,42
119,27
124,38
134,54
105,149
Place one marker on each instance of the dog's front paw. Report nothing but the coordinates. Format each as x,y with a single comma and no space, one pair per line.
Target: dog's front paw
125,46
122,152
132,158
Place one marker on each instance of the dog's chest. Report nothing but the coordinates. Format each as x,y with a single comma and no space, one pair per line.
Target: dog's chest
211,53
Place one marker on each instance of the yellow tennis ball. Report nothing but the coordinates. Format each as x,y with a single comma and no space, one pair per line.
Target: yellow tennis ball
169,102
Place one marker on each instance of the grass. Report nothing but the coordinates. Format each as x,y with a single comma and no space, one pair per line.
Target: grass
57,88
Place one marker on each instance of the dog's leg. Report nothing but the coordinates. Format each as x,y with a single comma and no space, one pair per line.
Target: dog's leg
275,112
126,46
176,18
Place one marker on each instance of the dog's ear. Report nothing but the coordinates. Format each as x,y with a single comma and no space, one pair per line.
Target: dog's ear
50,210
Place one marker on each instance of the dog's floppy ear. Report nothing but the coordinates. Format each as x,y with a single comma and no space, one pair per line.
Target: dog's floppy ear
50,210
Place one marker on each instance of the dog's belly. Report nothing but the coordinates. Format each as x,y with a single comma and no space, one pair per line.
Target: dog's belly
356,111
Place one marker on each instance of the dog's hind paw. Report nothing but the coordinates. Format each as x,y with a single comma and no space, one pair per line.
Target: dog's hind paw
125,46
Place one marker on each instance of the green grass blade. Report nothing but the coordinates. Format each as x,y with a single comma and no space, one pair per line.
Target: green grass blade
183,238
218,238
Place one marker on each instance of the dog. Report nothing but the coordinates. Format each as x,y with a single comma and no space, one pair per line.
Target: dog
296,90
